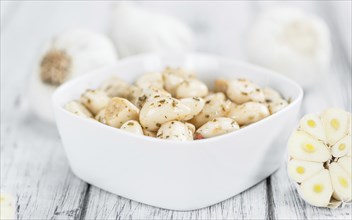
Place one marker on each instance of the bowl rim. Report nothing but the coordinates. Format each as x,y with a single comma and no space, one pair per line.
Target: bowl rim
66,86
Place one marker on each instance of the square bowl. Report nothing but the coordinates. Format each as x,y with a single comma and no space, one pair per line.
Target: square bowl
173,174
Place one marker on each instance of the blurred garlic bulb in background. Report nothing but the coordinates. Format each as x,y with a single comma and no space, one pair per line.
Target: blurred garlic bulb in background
7,206
64,57
291,42
136,30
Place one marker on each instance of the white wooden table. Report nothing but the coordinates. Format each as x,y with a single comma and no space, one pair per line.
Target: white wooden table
33,165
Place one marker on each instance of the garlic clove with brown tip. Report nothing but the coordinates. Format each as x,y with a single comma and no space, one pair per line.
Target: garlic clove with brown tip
65,56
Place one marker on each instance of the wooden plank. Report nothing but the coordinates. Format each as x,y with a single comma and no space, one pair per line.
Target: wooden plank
104,205
35,171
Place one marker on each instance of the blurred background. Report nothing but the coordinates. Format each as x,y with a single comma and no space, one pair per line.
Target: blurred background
316,52
220,27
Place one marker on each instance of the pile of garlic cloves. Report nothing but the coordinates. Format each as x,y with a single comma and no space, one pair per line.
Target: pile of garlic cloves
174,104
320,158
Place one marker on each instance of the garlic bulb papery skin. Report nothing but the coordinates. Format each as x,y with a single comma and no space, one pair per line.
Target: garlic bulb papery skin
137,30
7,206
320,158
65,56
290,42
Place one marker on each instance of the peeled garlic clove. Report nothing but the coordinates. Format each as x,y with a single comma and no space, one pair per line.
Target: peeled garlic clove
195,104
7,207
290,42
137,30
191,88
94,100
336,123
78,109
175,130
217,126
277,105
132,126
220,85
341,183
66,56
150,80
317,190
346,164
342,147
120,110
305,147
191,127
242,90
115,87
160,110
139,96
271,95
215,106
300,170
149,133
173,77
248,113
101,116
312,124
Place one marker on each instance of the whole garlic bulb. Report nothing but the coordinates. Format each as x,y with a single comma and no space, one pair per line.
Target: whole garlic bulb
320,158
291,42
136,30
64,57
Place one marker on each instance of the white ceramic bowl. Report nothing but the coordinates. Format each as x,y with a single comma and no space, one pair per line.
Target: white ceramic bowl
172,174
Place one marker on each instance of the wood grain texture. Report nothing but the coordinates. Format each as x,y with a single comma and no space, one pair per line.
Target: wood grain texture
104,205
35,171
33,165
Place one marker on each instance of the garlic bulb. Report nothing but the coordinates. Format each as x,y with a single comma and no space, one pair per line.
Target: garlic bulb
64,57
136,30
7,206
320,158
291,42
